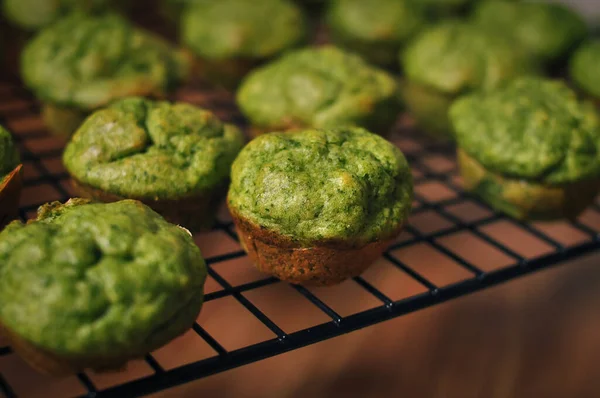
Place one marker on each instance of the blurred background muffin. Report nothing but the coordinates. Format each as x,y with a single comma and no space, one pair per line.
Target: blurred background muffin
229,37
95,285
84,62
449,59
530,149
375,29
319,206
319,87
173,157
547,32
584,68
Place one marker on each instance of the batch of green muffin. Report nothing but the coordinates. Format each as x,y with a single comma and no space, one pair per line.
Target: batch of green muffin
315,190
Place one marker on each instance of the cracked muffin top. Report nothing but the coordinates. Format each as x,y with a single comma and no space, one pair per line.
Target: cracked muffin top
453,57
319,87
322,185
9,156
241,28
533,128
139,148
104,280
86,61
544,30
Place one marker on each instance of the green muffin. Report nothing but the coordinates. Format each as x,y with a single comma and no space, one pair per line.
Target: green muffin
174,157
584,68
376,29
33,15
448,60
229,37
530,149
546,31
319,206
84,62
95,285
10,178
319,87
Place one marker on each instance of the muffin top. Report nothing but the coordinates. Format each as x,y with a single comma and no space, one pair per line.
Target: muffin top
340,185
98,279
9,156
318,87
583,67
533,129
379,22
139,148
241,28
35,14
87,61
544,30
453,57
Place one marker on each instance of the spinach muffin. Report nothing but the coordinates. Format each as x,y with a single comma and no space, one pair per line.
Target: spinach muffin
174,157
319,87
375,29
94,285
229,37
10,178
448,60
584,68
530,149
84,62
319,206
546,31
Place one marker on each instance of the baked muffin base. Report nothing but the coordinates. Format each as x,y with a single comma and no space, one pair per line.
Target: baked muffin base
527,200
318,265
196,213
10,193
62,121
50,363
429,109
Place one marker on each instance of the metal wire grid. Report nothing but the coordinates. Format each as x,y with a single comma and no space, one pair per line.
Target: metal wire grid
45,180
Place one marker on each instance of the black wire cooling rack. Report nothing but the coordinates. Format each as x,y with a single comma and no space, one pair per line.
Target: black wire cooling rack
453,246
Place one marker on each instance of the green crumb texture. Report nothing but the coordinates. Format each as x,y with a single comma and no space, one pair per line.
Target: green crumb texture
245,29
35,14
99,280
139,148
376,29
85,62
319,87
9,156
545,30
323,185
584,67
453,57
533,129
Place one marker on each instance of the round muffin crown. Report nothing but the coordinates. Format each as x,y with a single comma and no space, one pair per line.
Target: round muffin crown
314,186
88,61
583,67
392,22
533,129
35,14
139,148
99,280
455,56
545,30
9,156
242,29
319,87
